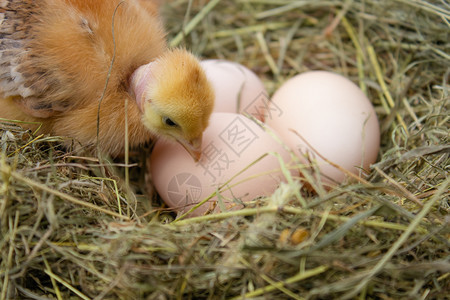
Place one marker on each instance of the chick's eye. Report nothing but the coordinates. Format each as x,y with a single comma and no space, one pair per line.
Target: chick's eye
169,122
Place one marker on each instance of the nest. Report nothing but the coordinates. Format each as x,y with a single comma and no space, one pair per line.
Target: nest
76,227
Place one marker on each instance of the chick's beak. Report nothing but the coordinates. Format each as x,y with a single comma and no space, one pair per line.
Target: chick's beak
194,147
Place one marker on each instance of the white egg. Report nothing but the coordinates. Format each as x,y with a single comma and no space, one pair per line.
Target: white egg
334,118
229,165
237,88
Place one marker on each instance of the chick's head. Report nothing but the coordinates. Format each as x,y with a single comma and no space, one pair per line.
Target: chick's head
175,97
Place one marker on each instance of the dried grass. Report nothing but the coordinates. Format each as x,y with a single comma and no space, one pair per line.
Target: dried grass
71,228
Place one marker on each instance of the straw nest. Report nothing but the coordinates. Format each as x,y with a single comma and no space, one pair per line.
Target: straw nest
82,227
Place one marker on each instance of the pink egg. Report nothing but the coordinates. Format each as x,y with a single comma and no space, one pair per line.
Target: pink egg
231,143
333,116
237,88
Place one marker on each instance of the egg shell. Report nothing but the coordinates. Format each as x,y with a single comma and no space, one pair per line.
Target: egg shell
230,144
237,88
333,115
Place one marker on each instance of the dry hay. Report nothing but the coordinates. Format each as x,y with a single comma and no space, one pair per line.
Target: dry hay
72,228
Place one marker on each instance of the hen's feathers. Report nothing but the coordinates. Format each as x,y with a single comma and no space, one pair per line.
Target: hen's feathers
14,26
55,56
46,47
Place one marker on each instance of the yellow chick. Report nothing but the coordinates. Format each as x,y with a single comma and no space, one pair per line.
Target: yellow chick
67,63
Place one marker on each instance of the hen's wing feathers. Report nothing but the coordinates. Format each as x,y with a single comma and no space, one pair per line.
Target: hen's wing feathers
18,78
13,33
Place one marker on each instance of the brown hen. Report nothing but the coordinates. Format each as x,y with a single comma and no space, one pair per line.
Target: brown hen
56,57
